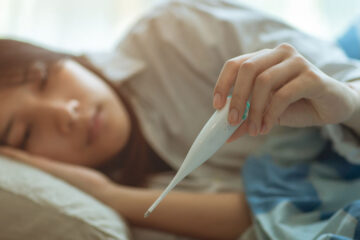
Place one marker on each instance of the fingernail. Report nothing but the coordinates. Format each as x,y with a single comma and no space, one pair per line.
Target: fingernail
263,128
217,100
234,115
252,129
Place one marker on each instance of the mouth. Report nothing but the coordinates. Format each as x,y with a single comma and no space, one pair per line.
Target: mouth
95,125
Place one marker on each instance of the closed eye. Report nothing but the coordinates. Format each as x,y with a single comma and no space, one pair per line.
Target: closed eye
26,137
44,80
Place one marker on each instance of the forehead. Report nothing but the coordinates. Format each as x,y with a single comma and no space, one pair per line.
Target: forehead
12,76
10,88
19,75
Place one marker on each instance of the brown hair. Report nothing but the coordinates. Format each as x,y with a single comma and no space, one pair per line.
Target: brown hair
135,161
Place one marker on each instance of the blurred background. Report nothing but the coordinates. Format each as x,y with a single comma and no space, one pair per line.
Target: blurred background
76,26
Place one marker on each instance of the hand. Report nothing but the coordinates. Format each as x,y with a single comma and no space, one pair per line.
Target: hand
86,179
284,88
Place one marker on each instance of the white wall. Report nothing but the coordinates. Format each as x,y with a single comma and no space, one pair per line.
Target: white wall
95,25
69,25
322,18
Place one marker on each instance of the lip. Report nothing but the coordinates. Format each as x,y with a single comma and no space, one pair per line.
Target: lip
95,125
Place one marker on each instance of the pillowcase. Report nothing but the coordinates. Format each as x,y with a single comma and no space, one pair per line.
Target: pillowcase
36,205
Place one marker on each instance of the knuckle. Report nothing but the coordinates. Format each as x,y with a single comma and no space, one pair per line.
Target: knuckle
281,96
312,75
219,88
237,98
237,101
247,66
231,63
263,79
286,47
298,60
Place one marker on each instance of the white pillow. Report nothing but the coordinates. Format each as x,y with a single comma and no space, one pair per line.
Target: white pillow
36,205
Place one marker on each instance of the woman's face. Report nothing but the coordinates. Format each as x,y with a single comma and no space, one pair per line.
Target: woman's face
74,116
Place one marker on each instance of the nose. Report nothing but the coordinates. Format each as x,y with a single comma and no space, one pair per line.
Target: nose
65,113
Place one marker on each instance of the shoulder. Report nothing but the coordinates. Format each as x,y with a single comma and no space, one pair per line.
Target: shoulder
210,18
187,21
191,12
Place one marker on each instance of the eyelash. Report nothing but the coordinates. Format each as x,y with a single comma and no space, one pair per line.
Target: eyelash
44,81
26,137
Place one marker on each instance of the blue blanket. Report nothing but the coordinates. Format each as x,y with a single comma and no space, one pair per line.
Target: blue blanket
317,196
317,199
350,40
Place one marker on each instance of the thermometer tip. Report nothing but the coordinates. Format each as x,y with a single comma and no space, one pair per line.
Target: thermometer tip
148,212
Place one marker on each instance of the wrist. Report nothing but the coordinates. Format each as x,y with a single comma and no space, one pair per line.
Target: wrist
108,193
130,202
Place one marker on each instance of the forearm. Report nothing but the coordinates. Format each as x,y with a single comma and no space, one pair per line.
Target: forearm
354,121
200,215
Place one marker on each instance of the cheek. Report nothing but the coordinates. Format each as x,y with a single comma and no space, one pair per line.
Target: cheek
63,150
82,85
57,149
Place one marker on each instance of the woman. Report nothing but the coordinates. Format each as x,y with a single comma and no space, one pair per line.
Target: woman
134,113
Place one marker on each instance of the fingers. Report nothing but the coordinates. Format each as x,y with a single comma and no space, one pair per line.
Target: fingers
5,150
243,129
13,153
227,79
300,87
272,79
28,158
18,154
246,77
265,84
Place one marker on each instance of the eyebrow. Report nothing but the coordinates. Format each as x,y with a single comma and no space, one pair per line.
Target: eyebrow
25,76
6,132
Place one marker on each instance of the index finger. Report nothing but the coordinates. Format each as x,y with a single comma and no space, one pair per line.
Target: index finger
227,79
